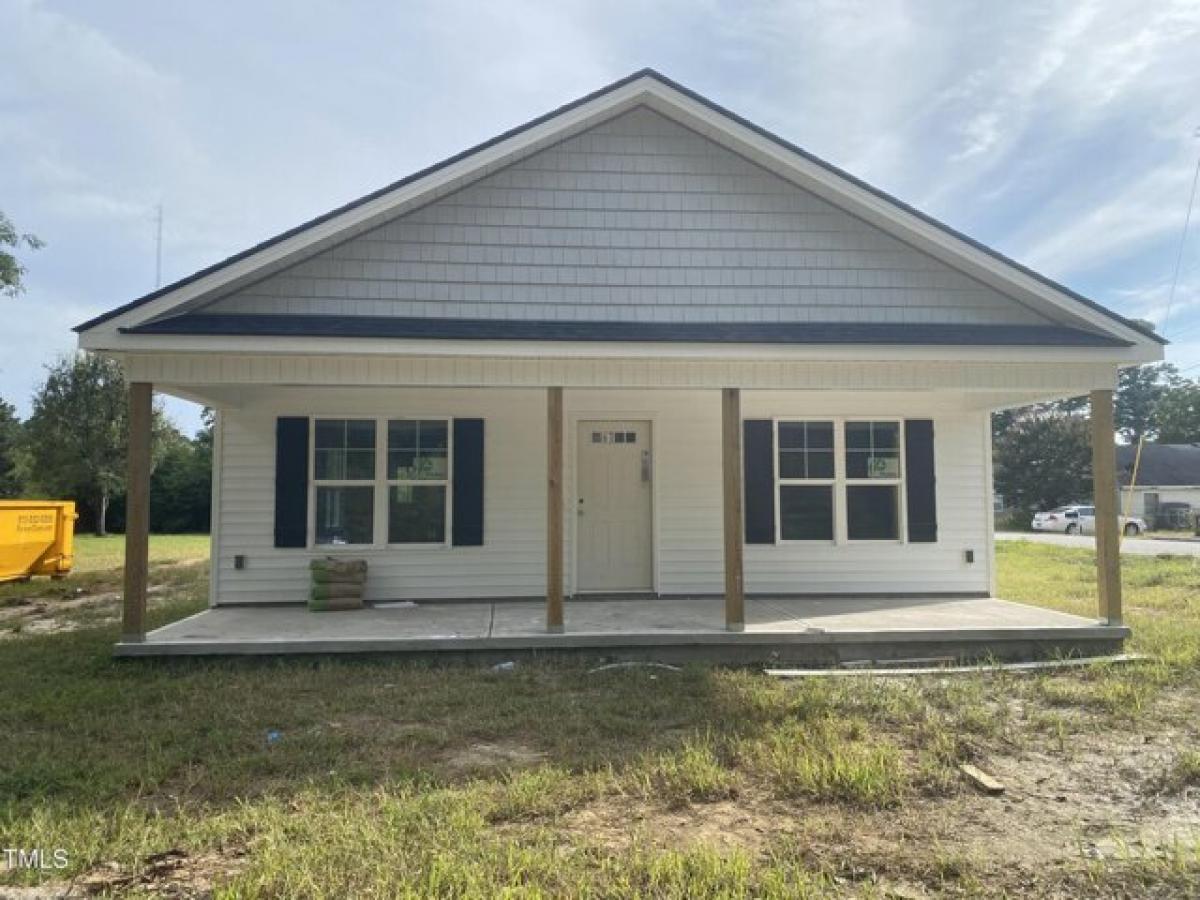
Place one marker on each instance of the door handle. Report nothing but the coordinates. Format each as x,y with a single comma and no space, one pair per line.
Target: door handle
645,465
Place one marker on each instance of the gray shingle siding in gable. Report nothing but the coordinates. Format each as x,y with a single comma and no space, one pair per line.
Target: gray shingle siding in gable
638,219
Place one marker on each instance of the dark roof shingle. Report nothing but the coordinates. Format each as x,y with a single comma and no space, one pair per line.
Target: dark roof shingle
1161,464
643,332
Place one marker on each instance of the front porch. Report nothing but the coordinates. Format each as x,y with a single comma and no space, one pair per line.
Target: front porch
731,573
794,630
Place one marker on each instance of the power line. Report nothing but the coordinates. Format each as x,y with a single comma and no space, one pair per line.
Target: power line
1187,219
1185,329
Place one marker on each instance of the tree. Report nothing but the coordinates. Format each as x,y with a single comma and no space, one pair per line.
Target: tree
78,433
1043,459
181,486
12,273
1139,391
1177,415
12,481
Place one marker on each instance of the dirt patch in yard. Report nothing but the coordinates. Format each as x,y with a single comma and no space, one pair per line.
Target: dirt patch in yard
170,874
54,615
52,607
750,822
1098,804
486,756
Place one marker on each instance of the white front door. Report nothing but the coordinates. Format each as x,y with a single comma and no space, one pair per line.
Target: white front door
613,507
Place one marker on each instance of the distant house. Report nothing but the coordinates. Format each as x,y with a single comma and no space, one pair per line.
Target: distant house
1168,476
637,346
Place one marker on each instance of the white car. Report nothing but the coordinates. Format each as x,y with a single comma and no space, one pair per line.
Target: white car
1081,520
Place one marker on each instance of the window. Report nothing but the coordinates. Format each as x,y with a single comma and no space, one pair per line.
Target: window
398,467
871,513
614,437
873,481
872,450
806,450
806,481
839,481
417,471
344,475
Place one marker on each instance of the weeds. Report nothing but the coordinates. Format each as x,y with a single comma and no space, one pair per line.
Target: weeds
691,774
829,759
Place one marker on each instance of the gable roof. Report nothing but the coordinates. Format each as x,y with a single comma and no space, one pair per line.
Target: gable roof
854,194
1161,464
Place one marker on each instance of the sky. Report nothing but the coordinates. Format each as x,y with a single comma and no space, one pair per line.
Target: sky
1062,134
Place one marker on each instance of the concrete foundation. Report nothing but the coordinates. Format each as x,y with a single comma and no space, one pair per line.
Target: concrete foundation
779,630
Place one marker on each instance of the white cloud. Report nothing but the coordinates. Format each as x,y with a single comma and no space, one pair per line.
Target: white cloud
1055,77
1173,312
1122,222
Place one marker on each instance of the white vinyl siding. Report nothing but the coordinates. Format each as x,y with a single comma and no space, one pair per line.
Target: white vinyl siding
511,562
1171,494
637,219
686,496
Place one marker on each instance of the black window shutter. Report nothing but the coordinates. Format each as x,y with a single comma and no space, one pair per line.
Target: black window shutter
291,481
468,483
758,478
920,483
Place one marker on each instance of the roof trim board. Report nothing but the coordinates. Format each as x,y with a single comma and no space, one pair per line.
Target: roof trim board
669,98
631,332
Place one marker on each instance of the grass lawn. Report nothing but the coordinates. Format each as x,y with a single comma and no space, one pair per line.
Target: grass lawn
105,553
375,778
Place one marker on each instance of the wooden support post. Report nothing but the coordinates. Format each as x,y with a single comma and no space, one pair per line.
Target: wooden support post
1104,491
554,510
137,511
731,470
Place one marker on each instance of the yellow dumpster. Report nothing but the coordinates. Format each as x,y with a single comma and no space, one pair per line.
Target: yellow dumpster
36,538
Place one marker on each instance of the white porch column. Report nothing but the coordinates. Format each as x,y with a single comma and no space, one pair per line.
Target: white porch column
731,470
554,510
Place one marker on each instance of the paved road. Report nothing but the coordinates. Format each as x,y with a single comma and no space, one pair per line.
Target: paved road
1140,546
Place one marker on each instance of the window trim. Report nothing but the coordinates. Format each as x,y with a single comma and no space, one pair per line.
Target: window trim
381,484
839,482
898,483
832,483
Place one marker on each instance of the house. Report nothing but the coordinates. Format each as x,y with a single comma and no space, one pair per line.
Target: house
639,348
1167,487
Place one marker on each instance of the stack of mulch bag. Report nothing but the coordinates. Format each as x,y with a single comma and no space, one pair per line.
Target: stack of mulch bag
337,583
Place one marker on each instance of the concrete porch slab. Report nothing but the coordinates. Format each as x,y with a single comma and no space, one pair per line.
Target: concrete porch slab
801,630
